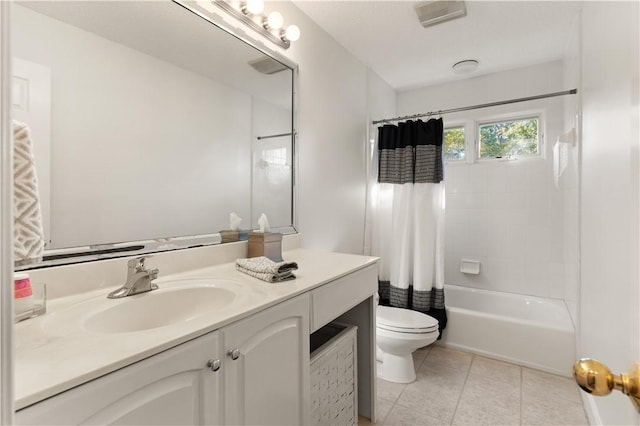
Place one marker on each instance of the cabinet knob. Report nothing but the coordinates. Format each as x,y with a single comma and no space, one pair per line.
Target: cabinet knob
234,353
214,364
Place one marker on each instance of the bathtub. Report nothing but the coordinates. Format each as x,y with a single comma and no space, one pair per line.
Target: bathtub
525,330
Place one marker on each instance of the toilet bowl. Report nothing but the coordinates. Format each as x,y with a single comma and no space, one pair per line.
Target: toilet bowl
399,332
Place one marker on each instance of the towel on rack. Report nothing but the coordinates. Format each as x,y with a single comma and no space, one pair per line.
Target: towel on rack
266,269
28,228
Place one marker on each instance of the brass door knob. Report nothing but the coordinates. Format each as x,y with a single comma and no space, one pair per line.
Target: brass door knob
595,378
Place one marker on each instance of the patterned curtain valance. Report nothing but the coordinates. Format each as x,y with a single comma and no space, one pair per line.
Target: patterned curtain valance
410,152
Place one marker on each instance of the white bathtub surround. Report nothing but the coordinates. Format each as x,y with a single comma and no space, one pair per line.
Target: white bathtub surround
561,158
506,214
525,330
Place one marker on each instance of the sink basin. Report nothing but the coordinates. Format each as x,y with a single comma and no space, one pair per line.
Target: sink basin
158,308
175,302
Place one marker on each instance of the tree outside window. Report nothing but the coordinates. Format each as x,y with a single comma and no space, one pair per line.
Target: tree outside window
454,146
507,138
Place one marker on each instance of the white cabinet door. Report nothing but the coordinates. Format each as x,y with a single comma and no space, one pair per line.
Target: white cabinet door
268,381
175,387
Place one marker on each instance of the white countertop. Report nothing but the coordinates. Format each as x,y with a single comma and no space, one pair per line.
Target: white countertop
50,360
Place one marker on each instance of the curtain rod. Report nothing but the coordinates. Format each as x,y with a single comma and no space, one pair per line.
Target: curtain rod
279,135
467,108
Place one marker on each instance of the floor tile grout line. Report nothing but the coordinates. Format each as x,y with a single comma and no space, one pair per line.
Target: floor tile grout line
473,357
386,415
521,394
395,402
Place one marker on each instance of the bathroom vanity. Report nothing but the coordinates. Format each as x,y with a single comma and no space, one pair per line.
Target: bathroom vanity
211,345
242,362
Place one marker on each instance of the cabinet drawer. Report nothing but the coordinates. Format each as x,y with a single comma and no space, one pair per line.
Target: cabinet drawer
332,300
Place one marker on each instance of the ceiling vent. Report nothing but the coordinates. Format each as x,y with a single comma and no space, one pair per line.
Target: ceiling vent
267,65
435,12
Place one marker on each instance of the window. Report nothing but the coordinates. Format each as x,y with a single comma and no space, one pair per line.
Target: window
506,138
275,156
454,148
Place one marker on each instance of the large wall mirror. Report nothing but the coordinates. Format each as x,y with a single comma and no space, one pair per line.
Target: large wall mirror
150,125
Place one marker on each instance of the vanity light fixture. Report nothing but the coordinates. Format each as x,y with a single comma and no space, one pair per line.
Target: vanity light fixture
254,7
274,21
291,33
250,12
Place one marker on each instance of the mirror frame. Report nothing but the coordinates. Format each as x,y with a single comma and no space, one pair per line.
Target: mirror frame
82,254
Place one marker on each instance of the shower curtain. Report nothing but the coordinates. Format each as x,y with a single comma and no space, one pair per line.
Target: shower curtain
405,216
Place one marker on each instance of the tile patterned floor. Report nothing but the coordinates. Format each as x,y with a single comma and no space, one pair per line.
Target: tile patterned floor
457,388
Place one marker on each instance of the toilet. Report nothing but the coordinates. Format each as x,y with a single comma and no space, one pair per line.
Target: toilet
399,332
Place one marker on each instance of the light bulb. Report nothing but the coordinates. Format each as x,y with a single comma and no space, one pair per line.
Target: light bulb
292,33
275,20
253,6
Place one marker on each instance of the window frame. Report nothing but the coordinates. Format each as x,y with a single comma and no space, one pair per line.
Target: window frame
522,115
452,126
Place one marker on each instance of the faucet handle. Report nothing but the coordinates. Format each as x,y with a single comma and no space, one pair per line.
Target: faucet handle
153,273
137,263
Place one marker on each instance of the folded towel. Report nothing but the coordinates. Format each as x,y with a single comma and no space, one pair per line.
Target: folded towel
28,240
266,269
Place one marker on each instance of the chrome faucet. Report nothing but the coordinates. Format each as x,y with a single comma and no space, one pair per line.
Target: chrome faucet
138,279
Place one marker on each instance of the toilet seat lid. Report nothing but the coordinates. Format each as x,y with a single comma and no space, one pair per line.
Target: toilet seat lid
398,319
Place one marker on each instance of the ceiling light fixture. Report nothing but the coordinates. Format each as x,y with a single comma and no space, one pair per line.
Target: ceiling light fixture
465,67
269,26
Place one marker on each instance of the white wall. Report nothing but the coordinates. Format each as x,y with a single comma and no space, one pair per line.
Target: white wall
609,296
569,181
118,114
382,104
381,99
332,122
507,214
7,405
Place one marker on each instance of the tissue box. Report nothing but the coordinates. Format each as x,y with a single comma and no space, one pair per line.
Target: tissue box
268,244
229,236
